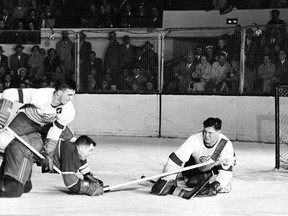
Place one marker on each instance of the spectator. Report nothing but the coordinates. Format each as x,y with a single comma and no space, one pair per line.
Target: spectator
51,62
57,74
91,18
184,71
104,86
95,64
219,72
221,47
139,78
8,19
8,82
22,75
91,84
276,22
127,53
282,69
2,27
141,17
150,87
19,59
138,60
3,58
151,76
2,73
201,76
198,53
112,55
65,49
36,63
125,80
266,73
209,50
32,18
1,86
46,18
233,77
135,87
103,20
127,17
85,48
20,10
155,19
149,57
251,52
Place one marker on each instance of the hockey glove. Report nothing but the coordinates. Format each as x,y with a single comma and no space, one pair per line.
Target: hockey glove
90,188
89,177
209,190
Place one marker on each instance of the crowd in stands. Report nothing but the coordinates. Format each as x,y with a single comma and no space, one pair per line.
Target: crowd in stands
215,68
35,14
125,67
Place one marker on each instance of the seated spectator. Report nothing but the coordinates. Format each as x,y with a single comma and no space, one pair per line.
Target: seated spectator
150,87
155,20
8,19
36,63
266,73
126,79
22,86
2,27
2,73
9,82
113,88
138,59
3,58
103,20
51,62
127,17
219,72
141,17
90,84
46,18
32,18
232,78
198,53
95,64
20,10
91,18
105,87
19,59
57,74
201,76
139,78
135,87
22,75
151,76
209,51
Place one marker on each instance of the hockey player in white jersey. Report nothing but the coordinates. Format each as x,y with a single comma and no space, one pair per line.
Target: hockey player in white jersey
41,107
198,149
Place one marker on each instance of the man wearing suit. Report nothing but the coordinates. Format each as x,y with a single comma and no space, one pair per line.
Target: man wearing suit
127,51
19,59
94,65
3,58
184,72
282,69
8,19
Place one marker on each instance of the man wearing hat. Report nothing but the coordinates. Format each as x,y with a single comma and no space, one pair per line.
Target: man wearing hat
19,59
3,58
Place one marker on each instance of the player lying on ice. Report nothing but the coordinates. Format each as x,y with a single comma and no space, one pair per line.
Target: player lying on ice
197,149
69,157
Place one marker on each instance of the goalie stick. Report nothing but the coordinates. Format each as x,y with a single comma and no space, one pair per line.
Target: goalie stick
214,157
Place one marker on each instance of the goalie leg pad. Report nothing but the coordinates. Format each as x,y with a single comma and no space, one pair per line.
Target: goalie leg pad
163,187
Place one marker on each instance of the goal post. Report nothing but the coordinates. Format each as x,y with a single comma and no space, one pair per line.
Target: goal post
281,127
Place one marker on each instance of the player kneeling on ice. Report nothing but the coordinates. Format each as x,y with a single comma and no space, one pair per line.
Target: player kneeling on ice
69,157
207,180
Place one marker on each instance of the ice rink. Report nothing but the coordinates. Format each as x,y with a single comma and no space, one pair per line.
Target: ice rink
257,189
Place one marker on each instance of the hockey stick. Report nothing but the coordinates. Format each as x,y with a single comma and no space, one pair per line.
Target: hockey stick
212,160
30,147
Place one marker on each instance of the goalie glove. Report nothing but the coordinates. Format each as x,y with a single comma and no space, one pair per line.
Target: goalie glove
91,178
90,188
209,190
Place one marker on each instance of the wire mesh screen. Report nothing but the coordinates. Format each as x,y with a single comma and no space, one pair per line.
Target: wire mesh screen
118,62
202,61
282,127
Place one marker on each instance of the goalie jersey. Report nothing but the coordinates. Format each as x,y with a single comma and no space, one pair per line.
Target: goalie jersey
40,110
195,147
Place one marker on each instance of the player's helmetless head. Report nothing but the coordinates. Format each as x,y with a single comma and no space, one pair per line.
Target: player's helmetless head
65,89
85,146
211,131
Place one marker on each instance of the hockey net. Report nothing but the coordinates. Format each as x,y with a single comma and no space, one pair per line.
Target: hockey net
281,114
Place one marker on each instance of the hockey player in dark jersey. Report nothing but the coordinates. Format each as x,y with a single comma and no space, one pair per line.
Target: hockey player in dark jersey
69,157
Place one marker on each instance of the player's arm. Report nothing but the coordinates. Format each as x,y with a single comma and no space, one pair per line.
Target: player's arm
54,134
69,161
